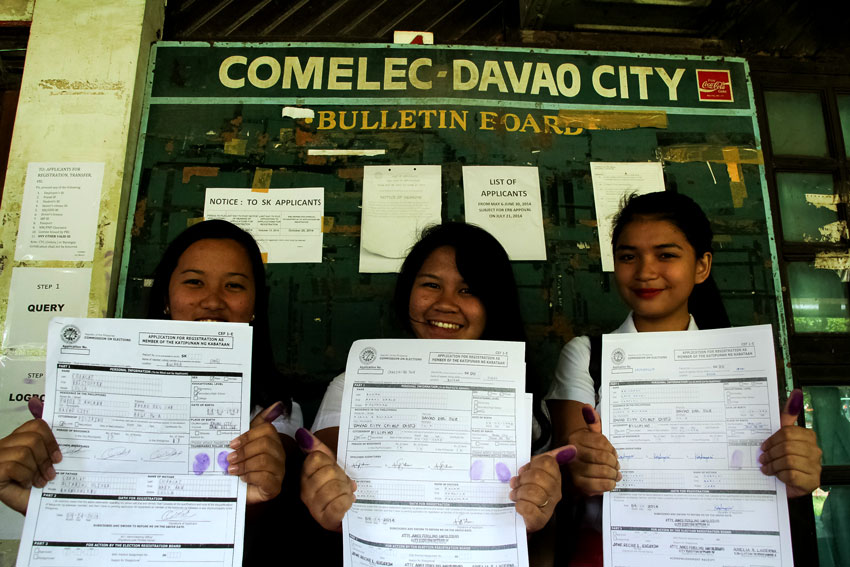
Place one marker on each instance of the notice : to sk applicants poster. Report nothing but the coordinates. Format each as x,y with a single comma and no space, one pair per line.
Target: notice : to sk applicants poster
286,223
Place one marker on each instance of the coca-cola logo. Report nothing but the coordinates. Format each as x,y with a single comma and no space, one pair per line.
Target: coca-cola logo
714,85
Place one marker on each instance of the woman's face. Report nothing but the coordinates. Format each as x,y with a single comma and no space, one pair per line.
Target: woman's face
656,269
213,281
441,304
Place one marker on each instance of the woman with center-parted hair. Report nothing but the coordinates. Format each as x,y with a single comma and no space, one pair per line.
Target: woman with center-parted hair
456,283
212,271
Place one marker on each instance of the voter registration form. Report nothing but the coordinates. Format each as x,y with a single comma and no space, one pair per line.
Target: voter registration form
687,412
143,412
432,431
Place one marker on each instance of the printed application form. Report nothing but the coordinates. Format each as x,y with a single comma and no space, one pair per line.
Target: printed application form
432,431
687,412
144,411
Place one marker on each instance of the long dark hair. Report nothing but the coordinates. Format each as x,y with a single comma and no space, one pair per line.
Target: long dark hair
486,269
704,303
267,383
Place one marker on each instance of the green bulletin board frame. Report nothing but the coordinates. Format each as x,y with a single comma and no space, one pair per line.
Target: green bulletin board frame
198,132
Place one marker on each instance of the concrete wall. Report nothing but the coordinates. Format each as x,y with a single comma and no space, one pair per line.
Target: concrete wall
80,101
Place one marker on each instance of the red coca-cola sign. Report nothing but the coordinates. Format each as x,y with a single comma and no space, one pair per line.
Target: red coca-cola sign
714,85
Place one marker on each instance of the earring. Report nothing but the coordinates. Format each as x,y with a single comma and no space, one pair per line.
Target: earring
252,318
166,310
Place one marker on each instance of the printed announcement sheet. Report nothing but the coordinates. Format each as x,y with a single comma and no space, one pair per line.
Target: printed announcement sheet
59,211
687,412
143,412
432,431
612,182
286,223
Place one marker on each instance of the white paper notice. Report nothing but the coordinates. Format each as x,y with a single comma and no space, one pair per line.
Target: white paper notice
36,295
687,412
286,223
398,202
432,431
143,411
59,211
20,380
612,182
505,201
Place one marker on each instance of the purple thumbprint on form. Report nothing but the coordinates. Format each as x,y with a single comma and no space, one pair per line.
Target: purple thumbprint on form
503,472
476,470
201,464
222,461
737,460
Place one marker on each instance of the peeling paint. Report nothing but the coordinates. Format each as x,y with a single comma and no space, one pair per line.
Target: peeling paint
262,180
834,231
327,224
833,260
353,229
139,216
826,201
684,153
588,222
296,112
200,171
583,246
80,87
235,147
611,119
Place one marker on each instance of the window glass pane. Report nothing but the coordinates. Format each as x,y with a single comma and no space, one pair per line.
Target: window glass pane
796,124
818,299
827,411
832,524
844,113
806,203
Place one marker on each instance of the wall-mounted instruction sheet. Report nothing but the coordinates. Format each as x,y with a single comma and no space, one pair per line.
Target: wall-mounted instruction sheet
59,212
432,431
505,201
286,223
687,413
398,202
36,295
144,412
612,182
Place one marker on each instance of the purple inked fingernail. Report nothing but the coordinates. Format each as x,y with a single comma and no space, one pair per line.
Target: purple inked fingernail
276,412
737,460
795,402
36,407
476,470
201,464
503,472
222,461
587,414
565,456
304,439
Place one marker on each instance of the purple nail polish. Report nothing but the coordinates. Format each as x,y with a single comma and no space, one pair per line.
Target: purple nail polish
304,439
222,461
476,470
587,414
795,402
503,472
565,456
201,464
276,412
36,407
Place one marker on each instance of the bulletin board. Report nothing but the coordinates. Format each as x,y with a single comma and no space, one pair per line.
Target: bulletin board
222,116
